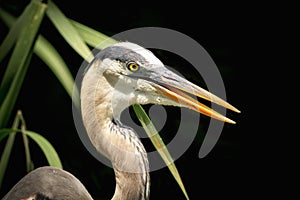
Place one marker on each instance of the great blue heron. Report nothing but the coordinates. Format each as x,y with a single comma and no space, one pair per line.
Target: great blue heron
120,75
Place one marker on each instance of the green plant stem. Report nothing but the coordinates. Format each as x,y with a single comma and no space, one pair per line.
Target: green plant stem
29,163
7,149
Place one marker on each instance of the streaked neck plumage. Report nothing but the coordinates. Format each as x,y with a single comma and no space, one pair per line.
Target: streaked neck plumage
119,143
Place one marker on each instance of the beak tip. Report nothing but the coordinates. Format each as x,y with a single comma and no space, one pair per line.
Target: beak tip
230,121
234,109
237,110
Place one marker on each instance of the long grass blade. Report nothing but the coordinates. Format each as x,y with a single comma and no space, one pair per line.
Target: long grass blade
21,57
67,30
92,37
19,25
6,155
5,132
12,35
55,62
45,50
7,18
158,144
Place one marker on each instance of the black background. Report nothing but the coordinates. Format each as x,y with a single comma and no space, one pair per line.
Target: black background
233,34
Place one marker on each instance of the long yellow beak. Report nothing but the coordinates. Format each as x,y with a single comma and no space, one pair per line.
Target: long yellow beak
173,87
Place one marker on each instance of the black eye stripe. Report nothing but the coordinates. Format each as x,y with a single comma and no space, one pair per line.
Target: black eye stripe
121,54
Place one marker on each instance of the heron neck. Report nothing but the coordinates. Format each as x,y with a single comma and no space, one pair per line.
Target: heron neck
128,156
119,143
130,164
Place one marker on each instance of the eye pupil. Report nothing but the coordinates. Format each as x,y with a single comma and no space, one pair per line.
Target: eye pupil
133,66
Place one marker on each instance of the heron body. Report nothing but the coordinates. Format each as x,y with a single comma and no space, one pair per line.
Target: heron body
120,75
48,183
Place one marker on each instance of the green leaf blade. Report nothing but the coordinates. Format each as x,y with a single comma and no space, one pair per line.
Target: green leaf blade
19,61
10,38
159,145
55,62
5,132
93,37
67,30
47,148
21,25
7,18
46,52
6,151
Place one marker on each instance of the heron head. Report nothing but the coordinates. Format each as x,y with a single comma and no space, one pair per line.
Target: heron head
138,76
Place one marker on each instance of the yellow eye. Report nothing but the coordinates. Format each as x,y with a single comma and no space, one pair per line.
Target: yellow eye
132,66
